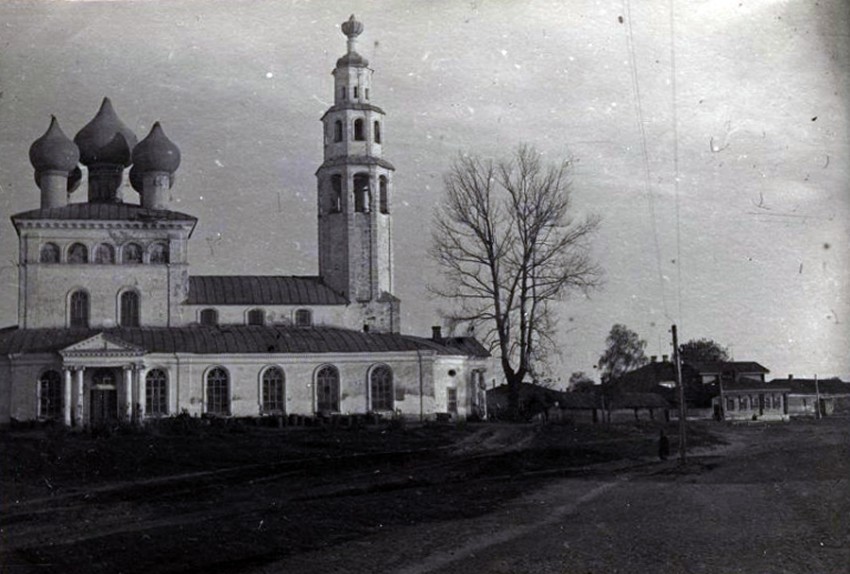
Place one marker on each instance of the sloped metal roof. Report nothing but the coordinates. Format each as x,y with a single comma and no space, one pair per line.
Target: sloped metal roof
104,212
260,290
226,339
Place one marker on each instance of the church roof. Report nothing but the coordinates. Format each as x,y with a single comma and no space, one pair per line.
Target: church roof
230,339
260,290
104,212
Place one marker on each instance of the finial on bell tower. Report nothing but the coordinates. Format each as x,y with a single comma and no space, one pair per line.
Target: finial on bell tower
352,28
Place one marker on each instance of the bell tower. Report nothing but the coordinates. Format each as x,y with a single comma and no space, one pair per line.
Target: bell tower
355,194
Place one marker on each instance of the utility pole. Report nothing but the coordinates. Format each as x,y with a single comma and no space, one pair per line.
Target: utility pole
681,386
817,398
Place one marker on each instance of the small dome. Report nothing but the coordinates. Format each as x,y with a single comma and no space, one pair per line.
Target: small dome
105,139
53,150
156,153
352,60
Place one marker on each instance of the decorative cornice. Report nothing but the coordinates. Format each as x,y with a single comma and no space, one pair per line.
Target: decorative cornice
88,224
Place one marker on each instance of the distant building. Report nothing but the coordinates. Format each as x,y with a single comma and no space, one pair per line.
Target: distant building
805,395
113,326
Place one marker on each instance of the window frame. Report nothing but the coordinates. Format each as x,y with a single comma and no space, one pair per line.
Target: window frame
103,254
451,400
359,134
205,313
156,399
215,395
273,400
83,251
252,315
159,253
381,389
300,314
126,247
77,320
129,314
332,398
54,249
51,401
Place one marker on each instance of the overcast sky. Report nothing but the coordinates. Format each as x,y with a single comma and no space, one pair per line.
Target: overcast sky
752,248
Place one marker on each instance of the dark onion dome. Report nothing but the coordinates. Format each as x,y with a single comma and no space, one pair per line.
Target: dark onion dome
74,179
352,27
156,153
54,151
105,139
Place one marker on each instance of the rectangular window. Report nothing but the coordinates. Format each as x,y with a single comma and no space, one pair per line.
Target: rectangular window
730,404
355,92
451,400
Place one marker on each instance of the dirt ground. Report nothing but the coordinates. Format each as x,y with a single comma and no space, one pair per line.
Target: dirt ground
438,498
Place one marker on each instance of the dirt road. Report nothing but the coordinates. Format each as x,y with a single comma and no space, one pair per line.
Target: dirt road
486,499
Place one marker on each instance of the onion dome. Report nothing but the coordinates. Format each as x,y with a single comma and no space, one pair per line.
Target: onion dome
352,28
156,153
105,139
54,151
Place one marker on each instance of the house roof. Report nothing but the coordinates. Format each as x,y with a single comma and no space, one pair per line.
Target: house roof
808,387
260,290
744,385
229,339
104,212
718,367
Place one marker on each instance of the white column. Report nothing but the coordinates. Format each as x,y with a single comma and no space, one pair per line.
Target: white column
127,405
141,392
78,407
66,396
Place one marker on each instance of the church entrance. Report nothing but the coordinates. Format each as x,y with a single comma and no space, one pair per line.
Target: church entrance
104,398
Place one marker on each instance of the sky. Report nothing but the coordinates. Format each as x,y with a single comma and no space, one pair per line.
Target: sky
711,136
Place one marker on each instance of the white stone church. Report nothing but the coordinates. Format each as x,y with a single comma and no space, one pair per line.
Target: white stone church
112,325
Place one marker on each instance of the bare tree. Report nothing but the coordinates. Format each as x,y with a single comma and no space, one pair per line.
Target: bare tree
509,245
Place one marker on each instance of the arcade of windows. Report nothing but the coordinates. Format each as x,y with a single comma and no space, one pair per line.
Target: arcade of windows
362,193
358,131
209,317
105,254
217,391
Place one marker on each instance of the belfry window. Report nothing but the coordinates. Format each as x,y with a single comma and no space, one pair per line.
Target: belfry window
104,254
273,395
338,131
49,253
377,132
78,253
344,92
383,195
336,197
358,130
355,92
130,309
50,395
79,309
361,192
131,254
327,390
218,395
156,393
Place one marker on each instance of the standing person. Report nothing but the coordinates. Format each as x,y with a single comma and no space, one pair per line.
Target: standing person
663,446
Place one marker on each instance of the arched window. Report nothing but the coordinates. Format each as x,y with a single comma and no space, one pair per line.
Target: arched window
156,393
50,395
361,192
131,254
381,388
338,131
256,317
274,400
78,253
358,130
303,318
327,390
209,317
218,395
377,131
159,253
384,197
129,309
79,309
336,198
104,254
49,253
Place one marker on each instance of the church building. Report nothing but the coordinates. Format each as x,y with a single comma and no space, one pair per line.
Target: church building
113,326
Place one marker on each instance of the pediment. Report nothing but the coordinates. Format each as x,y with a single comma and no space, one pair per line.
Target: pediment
103,346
